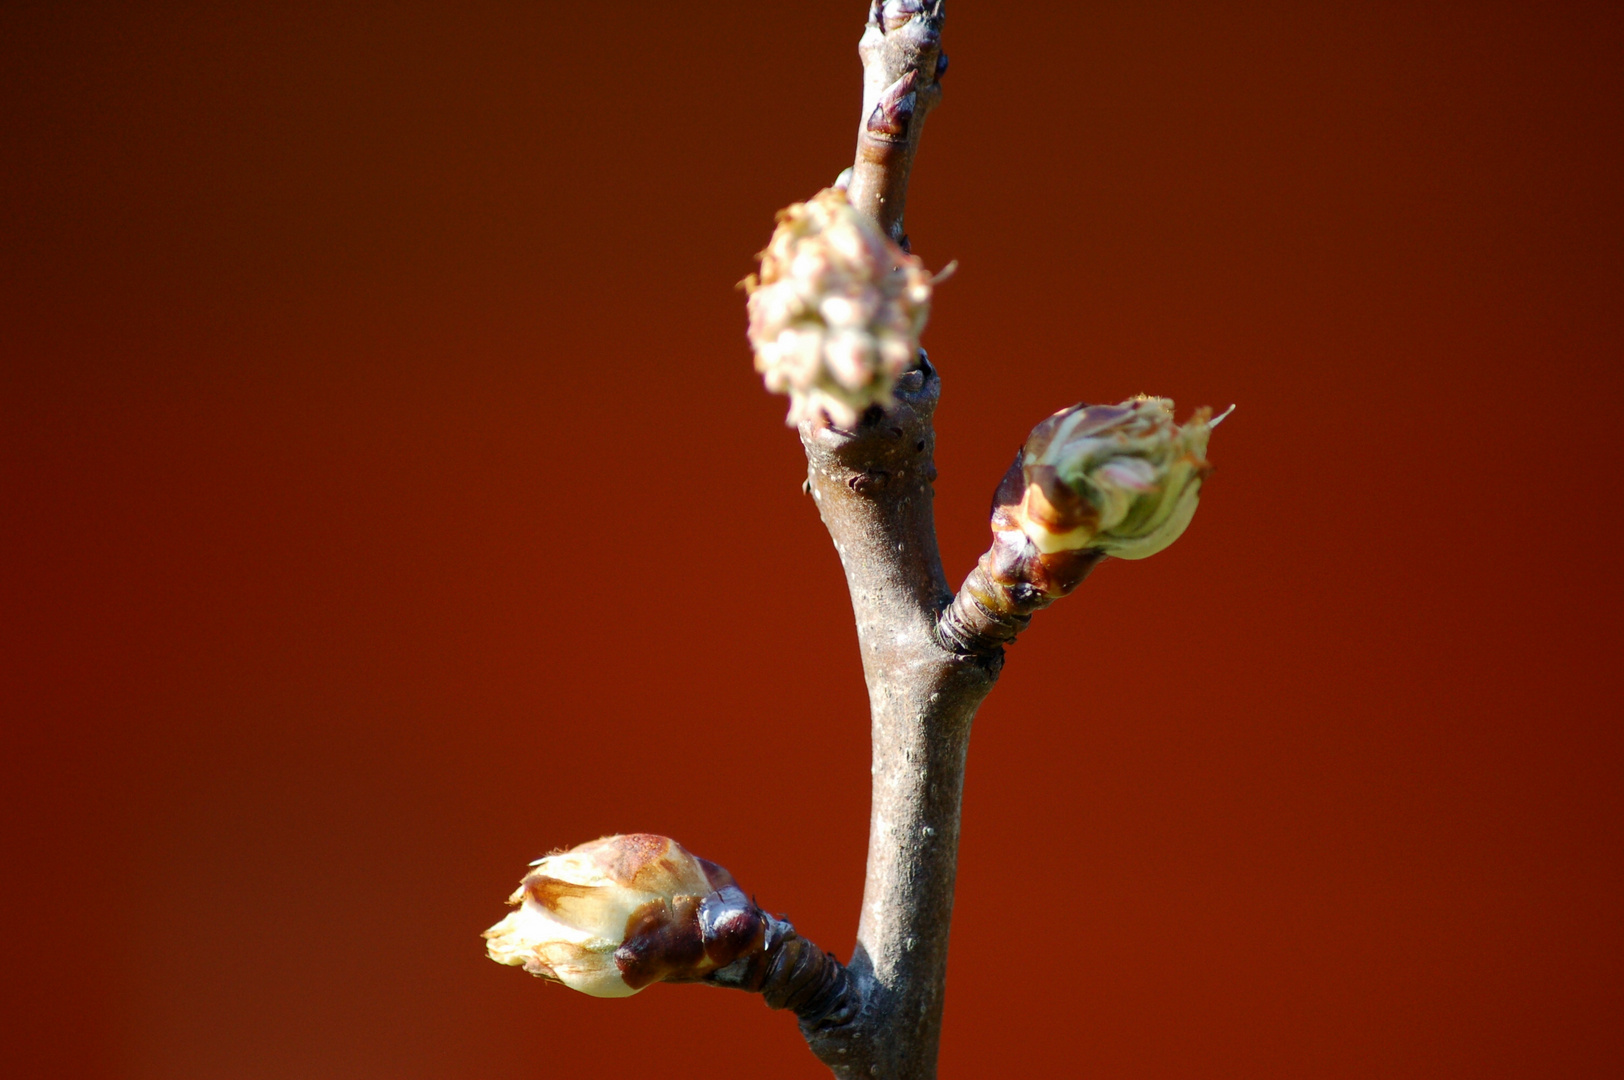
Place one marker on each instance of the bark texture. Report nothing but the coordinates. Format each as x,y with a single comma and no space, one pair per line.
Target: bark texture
792,973
873,490
872,486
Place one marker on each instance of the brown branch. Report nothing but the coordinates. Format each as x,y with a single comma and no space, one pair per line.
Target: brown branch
873,489
881,1017
872,486
1010,583
902,68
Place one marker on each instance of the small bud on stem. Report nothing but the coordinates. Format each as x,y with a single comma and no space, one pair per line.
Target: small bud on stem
615,915
894,110
836,314
1091,481
1121,479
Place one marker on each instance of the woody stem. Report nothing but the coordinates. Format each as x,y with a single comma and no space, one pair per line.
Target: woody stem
872,487
902,64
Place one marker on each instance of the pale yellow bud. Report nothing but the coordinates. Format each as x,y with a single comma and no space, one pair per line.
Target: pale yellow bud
836,313
615,915
1119,479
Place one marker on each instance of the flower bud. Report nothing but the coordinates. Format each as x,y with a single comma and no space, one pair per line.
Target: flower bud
1118,479
610,917
837,311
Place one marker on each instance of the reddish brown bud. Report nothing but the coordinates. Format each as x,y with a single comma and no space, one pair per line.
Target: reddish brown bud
895,109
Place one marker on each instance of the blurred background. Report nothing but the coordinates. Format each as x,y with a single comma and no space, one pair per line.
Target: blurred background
389,499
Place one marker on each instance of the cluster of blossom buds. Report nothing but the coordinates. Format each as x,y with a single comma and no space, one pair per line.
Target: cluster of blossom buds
613,916
1122,480
836,313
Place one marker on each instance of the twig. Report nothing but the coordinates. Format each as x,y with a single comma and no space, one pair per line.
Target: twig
902,69
1011,582
872,483
873,489
792,973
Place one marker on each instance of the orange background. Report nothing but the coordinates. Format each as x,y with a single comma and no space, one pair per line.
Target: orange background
389,499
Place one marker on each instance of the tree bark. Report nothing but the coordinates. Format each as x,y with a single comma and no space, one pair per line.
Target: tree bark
873,489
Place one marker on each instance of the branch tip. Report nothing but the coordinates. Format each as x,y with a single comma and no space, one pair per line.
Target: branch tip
901,54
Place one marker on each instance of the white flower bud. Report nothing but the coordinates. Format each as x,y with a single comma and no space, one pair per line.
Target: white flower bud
610,917
1120,479
837,311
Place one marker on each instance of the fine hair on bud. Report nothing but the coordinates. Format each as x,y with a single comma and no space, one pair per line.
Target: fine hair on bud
836,311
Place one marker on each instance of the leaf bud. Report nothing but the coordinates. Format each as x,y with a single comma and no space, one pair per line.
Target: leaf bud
1121,480
612,916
